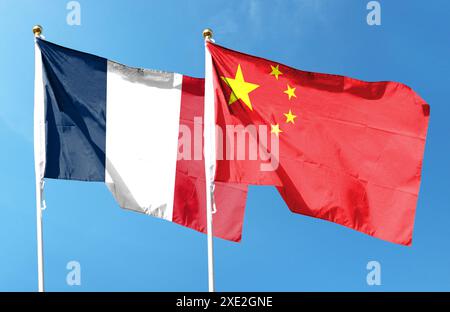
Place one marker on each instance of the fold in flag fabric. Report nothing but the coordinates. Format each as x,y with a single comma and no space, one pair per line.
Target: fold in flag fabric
120,125
349,151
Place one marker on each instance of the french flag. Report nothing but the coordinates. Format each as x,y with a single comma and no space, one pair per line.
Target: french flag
98,120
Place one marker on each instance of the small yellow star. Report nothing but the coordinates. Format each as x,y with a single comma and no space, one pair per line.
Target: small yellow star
290,92
276,71
290,117
240,88
275,129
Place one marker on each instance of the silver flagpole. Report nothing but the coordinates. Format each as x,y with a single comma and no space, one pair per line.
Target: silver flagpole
39,154
209,154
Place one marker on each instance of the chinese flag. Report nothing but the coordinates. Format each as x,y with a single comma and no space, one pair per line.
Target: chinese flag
349,151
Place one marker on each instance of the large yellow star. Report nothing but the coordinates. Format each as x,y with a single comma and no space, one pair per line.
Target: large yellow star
290,92
290,117
275,129
276,71
240,88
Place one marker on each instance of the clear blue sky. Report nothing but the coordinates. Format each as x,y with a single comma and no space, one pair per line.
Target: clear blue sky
122,250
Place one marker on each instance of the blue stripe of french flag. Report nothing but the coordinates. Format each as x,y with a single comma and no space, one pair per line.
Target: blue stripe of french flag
106,122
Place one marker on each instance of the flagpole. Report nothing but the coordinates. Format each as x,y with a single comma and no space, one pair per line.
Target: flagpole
39,155
210,155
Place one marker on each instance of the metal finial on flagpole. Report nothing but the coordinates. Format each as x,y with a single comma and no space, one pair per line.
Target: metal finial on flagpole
207,33
37,30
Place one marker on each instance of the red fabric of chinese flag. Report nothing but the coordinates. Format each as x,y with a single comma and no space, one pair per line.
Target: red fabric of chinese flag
349,151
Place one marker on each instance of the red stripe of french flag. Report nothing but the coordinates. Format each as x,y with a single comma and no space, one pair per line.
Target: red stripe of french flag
190,199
